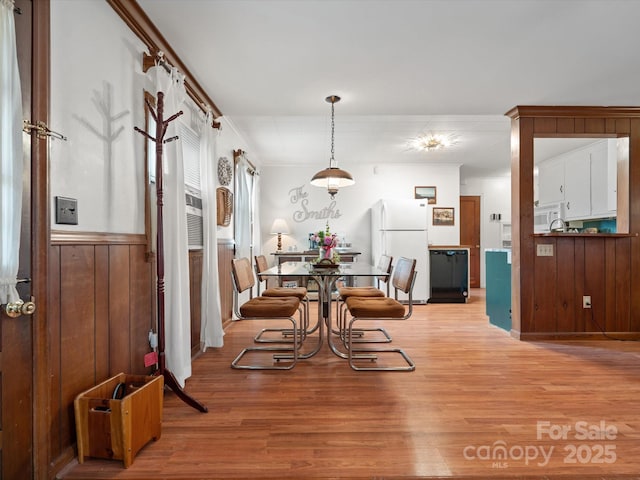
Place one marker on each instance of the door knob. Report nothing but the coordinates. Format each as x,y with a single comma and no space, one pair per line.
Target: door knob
20,307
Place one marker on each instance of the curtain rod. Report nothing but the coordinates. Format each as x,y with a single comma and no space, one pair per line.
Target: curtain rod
158,58
240,153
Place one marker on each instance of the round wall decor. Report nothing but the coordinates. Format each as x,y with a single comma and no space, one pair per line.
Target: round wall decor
225,172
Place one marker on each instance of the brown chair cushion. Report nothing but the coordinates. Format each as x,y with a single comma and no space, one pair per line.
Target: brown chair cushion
298,292
346,292
375,307
270,307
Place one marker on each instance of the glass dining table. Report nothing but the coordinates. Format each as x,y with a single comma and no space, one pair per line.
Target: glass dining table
326,278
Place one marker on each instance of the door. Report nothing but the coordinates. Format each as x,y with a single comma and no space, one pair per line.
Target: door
470,235
16,342
23,383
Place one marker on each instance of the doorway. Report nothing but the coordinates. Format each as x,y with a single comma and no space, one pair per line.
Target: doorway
23,365
470,234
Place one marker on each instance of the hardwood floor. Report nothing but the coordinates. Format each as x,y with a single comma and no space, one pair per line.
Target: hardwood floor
474,390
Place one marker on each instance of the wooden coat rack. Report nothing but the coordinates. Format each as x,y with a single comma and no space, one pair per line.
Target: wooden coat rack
159,140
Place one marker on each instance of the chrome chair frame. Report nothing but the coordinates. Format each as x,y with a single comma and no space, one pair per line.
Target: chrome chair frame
401,282
384,263
290,350
277,292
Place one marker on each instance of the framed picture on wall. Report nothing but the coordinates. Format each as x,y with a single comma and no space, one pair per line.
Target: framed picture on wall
426,192
443,216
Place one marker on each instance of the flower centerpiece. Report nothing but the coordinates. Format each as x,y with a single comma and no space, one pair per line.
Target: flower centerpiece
327,242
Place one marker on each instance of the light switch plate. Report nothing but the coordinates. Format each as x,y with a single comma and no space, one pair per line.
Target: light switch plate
66,211
544,250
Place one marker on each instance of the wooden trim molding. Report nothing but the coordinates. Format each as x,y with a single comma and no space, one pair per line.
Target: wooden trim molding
142,26
40,225
571,111
62,237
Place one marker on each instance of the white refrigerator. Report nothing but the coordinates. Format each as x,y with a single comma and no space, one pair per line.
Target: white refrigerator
399,229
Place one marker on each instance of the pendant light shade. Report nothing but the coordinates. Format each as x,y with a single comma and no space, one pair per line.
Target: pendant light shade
332,178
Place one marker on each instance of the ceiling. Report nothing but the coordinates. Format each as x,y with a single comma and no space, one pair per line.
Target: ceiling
401,67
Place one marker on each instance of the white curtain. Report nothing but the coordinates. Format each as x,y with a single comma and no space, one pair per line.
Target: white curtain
10,155
255,215
211,332
177,323
244,208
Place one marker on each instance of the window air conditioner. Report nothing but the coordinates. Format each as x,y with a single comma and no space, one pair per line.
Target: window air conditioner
194,218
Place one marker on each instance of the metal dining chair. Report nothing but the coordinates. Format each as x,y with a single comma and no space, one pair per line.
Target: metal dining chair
264,308
280,292
381,309
385,263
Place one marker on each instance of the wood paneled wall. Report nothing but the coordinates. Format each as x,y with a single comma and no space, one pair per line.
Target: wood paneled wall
597,267
226,253
100,312
195,295
547,291
101,306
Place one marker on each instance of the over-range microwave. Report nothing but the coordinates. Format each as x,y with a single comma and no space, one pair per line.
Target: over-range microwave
545,214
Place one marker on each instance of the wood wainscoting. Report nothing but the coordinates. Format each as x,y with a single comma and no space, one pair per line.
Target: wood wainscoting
100,297
225,255
596,266
195,298
101,306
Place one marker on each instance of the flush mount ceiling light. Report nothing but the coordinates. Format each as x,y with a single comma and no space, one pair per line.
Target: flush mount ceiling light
430,141
332,178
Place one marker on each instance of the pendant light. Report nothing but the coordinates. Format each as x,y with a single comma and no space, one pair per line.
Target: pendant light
332,178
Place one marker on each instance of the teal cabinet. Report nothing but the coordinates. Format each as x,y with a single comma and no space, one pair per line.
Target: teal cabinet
498,287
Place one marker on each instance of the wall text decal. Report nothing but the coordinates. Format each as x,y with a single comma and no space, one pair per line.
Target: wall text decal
298,196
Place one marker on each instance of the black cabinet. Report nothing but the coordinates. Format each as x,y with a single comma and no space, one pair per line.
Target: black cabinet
449,275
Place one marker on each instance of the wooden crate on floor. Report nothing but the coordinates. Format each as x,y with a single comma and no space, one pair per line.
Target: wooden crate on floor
117,428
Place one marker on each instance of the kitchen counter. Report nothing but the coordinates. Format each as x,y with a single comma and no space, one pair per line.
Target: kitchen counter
498,287
310,254
577,234
347,255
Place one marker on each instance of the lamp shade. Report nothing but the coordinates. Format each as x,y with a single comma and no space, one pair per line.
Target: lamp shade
332,176
279,226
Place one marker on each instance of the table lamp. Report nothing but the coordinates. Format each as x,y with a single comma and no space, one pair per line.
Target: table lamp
278,228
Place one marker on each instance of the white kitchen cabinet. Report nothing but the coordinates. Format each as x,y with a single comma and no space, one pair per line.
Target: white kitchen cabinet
604,178
577,184
551,181
585,180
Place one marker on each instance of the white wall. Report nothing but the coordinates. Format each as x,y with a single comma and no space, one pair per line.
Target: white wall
495,197
287,193
97,84
96,99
